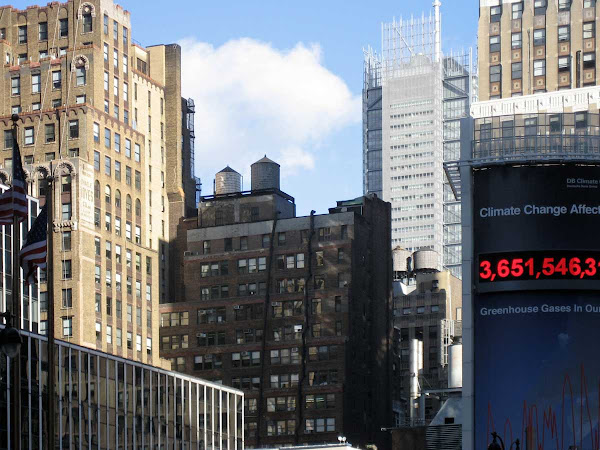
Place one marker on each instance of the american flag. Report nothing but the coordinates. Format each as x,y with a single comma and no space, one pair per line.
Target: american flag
13,202
33,253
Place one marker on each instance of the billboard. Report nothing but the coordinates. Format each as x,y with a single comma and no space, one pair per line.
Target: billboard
536,305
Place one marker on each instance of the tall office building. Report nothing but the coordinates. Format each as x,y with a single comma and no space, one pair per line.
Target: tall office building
536,46
295,311
105,117
413,99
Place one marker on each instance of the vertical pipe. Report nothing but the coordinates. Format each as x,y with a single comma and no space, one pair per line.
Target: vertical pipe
16,310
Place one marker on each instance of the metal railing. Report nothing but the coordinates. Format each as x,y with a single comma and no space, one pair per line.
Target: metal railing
539,147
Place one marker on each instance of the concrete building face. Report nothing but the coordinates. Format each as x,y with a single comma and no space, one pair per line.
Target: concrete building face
413,98
104,401
295,311
536,46
105,117
432,314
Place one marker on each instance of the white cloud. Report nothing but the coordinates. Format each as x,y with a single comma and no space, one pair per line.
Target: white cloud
252,99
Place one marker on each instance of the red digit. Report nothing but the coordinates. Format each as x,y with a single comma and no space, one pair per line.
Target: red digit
574,267
591,268
548,266
503,269
562,266
529,265
517,267
486,270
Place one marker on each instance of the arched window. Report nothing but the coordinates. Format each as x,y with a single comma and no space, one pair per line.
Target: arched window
128,203
118,199
138,207
97,190
107,194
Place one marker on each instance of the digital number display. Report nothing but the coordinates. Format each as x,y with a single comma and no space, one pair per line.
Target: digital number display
550,265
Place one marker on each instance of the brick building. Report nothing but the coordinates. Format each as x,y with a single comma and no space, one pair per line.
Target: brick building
105,117
296,311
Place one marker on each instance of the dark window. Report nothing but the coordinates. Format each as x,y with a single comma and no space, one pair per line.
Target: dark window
564,64
43,31
539,7
517,10
564,33
516,40
495,73
564,5
517,70
589,60
539,37
63,25
87,23
589,30
494,44
555,123
495,13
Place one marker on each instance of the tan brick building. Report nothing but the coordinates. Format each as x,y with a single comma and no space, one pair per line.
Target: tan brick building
106,118
534,46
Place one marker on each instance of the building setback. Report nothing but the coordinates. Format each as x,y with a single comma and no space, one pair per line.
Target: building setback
295,311
105,117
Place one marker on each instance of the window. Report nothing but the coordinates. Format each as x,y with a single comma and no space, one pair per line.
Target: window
107,165
106,88
125,92
80,76
517,70
36,106
80,99
49,132
589,3
319,425
98,331
129,340
66,240
105,24
115,30
119,337
115,86
138,180
494,44
107,137
589,30
324,234
589,60
125,37
564,64
56,79
87,22
495,13
67,323
15,83
66,211
517,10
516,40
539,7
73,129
564,33
128,148
495,73
580,121
116,59
43,31
137,153
35,83
125,64
67,298
281,238
22,34
539,67
539,37
63,27
564,5
108,334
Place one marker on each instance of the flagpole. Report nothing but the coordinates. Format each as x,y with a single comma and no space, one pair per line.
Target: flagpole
16,271
50,283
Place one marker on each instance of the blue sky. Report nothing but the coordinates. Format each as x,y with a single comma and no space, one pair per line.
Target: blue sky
282,78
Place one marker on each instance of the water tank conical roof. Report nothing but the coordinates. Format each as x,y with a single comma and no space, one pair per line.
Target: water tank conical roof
265,174
227,181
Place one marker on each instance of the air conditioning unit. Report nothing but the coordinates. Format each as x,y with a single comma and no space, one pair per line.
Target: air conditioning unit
244,353
202,312
248,330
297,328
237,307
201,335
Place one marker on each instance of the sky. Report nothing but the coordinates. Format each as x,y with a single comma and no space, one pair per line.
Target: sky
282,78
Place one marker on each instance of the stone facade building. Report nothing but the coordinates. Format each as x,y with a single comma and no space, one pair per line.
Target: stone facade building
529,47
105,117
